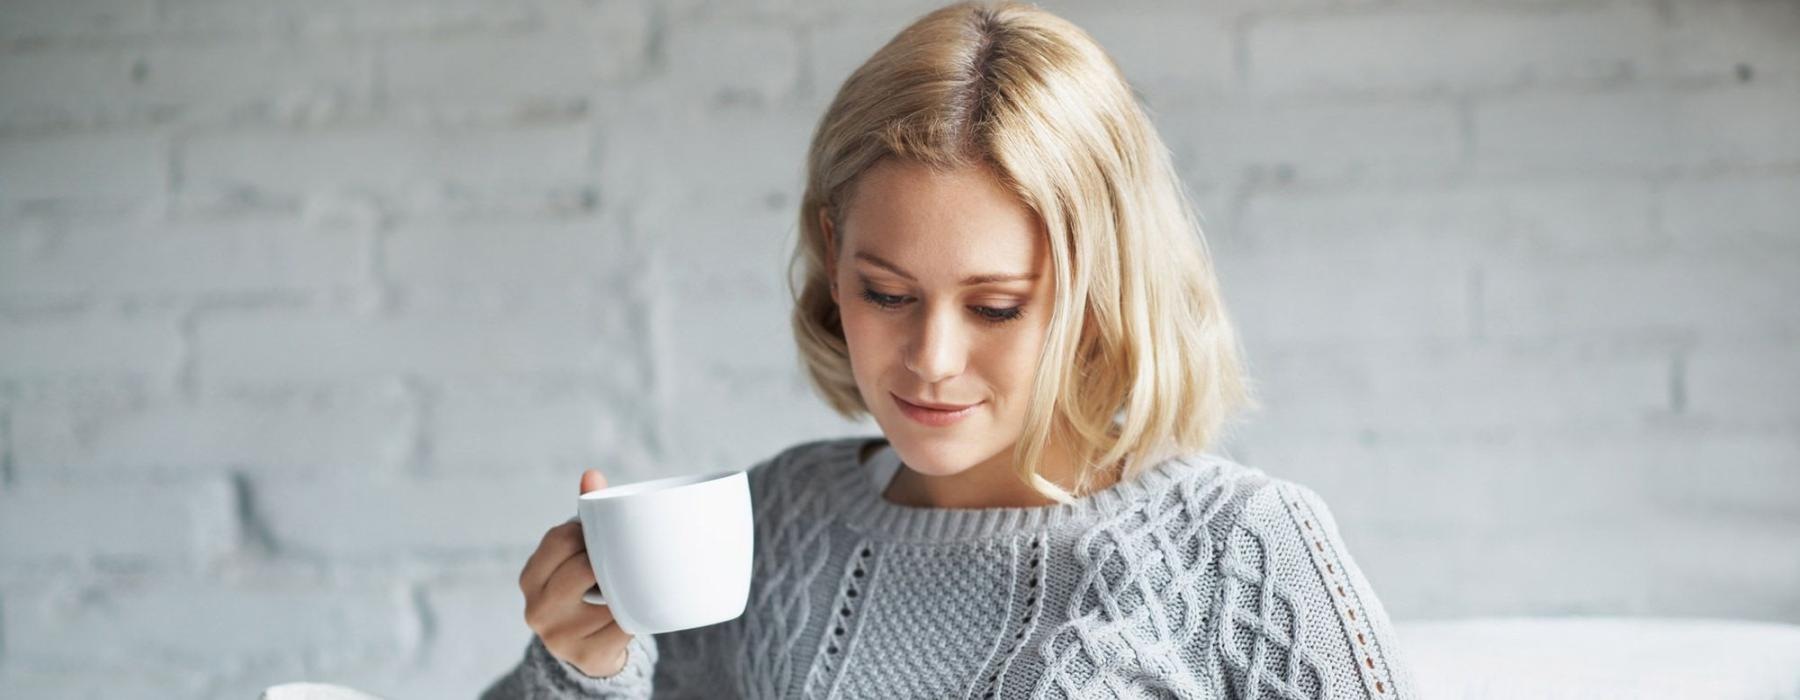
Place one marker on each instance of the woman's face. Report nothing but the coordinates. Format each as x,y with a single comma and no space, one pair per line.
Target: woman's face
944,287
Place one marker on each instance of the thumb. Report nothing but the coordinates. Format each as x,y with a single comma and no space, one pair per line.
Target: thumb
592,480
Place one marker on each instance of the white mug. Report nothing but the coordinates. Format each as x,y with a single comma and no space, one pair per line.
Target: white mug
670,554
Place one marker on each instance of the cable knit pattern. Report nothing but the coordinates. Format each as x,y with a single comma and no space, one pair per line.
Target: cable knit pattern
1140,607
1200,578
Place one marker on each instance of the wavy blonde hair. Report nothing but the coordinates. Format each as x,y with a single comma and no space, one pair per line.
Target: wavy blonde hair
1151,367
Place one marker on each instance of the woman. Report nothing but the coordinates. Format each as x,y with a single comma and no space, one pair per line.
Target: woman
998,265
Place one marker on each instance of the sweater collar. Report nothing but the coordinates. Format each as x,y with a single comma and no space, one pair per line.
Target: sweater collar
867,511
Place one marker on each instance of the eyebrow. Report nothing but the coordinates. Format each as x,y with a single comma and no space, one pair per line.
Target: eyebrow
969,281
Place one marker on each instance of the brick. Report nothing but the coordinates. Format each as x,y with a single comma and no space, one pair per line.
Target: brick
1752,383
1746,214
1712,567
1664,295
477,633
64,87
323,432
785,11
29,19
197,80
113,256
1712,39
89,345
372,520
127,623
1371,485
182,523
1747,126
1384,391
722,334
1455,224
1607,559
734,62
718,192
1470,51
1180,50
225,78
711,424
1369,294
103,169
838,44
20,680
655,154
1332,143
599,43
512,427
339,18
713,253
1584,133
508,251
480,634
1648,131
1608,483
255,349
386,161
1719,468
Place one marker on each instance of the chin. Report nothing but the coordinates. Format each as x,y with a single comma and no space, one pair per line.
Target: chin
936,456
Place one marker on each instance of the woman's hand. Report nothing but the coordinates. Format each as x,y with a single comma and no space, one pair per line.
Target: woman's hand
554,579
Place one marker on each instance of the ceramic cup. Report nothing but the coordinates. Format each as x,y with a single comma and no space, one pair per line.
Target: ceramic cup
670,554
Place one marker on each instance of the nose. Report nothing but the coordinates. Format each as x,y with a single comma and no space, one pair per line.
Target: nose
939,346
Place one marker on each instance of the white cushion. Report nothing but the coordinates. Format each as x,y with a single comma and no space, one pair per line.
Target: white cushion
313,691
1589,658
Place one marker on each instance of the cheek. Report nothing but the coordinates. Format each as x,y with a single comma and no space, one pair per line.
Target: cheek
863,333
857,325
1011,362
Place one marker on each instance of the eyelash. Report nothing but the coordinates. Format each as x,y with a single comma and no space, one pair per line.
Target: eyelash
991,314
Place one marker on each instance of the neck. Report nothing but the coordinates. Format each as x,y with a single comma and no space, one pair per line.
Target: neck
990,484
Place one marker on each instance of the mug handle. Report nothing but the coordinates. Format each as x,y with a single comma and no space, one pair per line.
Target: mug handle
593,592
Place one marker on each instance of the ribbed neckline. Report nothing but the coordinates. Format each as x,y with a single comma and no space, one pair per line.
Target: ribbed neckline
868,512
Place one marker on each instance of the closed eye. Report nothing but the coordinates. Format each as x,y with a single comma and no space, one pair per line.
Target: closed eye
991,314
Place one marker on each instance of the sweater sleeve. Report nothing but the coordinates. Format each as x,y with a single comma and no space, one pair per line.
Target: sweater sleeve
1297,617
542,676
701,662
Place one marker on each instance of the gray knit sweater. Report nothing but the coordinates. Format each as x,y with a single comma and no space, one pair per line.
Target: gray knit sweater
1200,578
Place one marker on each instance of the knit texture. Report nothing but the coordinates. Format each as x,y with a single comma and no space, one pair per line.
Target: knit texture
1199,578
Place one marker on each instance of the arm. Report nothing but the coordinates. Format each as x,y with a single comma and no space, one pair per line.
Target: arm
540,675
696,664
704,662
1297,617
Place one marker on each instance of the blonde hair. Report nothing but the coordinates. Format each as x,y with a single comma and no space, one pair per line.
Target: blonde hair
1015,88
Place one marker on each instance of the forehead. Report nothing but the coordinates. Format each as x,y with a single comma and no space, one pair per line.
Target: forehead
902,209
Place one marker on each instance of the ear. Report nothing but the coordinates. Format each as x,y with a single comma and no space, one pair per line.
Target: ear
830,251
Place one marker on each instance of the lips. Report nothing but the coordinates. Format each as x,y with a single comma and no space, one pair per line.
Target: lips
937,406
936,418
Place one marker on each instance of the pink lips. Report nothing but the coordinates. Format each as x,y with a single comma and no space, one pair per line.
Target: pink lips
933,417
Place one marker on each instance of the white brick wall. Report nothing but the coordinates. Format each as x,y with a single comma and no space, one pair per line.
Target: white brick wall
312,313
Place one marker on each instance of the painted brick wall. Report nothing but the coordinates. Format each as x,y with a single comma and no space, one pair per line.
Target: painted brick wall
311,313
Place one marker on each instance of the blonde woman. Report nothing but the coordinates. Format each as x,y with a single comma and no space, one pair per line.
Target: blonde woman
997,263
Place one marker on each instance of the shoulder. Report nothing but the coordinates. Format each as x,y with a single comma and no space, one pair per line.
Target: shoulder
1287,578
1270,501
1232,497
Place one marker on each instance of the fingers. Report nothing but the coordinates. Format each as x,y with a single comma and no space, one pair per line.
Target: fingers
572,579
554,579
592,480
558,544
559,611
578,637
608,650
